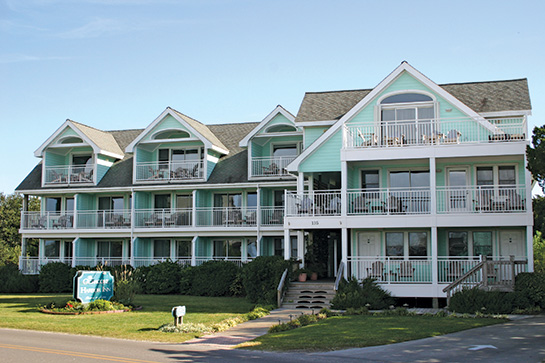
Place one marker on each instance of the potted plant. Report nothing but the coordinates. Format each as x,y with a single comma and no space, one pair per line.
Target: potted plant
301,274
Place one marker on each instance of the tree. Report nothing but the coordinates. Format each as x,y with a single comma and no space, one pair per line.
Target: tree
536,156
539,252
538,206
10,220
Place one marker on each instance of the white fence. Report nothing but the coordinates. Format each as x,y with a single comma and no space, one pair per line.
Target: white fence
270,166
71,174
389,201
169,170
481,199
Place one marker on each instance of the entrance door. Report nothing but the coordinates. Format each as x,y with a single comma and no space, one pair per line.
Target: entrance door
511,244
368,250
457,198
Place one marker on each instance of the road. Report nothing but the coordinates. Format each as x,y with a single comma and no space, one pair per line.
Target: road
515,341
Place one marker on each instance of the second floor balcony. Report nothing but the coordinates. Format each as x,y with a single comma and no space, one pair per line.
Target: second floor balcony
270,167
155,171
66,175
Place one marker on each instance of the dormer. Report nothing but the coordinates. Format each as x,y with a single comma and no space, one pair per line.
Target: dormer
175,148
77,154
272,145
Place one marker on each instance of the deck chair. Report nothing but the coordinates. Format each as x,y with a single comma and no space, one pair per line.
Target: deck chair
406,269
376,271
454,270
394,205
369,140
452,137
360,205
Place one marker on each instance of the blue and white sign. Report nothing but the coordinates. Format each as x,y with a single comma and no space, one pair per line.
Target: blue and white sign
93,285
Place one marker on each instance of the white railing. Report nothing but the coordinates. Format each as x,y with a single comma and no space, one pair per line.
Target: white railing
71,174
316,203
272,216
47,220
226,217
102,261
270,166
107,219
389,201
392,270
434,132
163,218
451,268
482,199
236,260
148,261
169,170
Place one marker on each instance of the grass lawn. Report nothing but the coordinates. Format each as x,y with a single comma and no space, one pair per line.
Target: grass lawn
19,311
341,332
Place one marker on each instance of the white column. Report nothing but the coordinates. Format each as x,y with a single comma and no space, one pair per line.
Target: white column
258,243
194,251
344,250
194,209
434,259
301,245
300,182
530,247
344,188
131,246
433,186
258,211
74,252
287,244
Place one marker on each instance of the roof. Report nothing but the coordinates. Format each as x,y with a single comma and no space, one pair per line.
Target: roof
202,129
492,96
104,140
232,168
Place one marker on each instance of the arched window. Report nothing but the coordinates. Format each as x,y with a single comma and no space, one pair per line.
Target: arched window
171,134
280,128
71,140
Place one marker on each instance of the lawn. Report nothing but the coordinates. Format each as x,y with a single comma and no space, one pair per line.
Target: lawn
20,312
354,331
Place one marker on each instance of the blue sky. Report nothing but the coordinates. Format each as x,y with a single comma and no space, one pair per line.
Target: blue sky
117,64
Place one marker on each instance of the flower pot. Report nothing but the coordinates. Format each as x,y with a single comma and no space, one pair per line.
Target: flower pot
302,277
314,276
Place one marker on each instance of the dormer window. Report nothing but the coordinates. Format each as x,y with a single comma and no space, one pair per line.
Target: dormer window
71,140
171,134
280,128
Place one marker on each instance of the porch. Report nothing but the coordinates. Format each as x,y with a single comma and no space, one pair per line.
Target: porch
70,174
270,167
154,171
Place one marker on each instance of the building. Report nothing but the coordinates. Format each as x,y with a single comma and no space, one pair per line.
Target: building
410,182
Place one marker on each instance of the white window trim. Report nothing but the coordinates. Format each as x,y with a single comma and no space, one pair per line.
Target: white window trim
406,255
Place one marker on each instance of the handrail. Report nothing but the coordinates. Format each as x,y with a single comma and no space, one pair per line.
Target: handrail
339,276
279,295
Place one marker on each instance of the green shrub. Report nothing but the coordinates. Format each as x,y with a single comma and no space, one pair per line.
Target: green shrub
141,277
212,278
369,294
261,276
125,285
56,277
163,278
475,300
12,280
531,287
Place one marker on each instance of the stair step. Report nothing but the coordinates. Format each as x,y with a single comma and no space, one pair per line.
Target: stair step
309,295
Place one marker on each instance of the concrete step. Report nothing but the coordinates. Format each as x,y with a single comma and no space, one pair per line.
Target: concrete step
309,295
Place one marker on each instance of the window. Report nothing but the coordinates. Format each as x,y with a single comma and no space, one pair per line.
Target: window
227,249
370,180
171,134
280,128
482,243
278,247
418,244
184,201
409,179
110,249
407,98
492,175
69,205
183,249
457,244
285,150
53,204
394,243
485,175
68,247
161,248
506,175
71,140
52,249
111,203
251,249
228,200
278,198
161,201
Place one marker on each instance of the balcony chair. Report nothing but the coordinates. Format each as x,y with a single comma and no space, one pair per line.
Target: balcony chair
334,206
304,206
434,138
376,271
272,169
63,222
394,205
454,270
515,202
277,217
483,202
57,178
234,217
360,205
195,172
370,140
452,137
40,223
406,270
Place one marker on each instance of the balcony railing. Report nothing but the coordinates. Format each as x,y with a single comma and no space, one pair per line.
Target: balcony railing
270,167
434,132
316,203
71,174
163,218
169,170
99,219
389,201
227,217
481,199
272,216
47,220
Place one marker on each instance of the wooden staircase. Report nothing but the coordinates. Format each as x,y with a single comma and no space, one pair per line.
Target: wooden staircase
309,295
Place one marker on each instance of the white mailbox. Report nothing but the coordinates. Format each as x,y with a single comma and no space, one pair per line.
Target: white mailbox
178,313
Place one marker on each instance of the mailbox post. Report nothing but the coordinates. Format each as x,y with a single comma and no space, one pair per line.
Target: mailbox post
178,313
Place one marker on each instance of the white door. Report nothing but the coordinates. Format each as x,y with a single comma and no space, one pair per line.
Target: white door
457,199
511,244
368,249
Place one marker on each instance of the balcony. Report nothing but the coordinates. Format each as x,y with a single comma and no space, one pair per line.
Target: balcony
46,220
163,218
387,201
434,132
227,217
67,175
316,203
272,216
169,171
104,219
270,167
481,199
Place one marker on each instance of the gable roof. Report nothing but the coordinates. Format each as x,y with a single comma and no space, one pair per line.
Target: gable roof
102,142
491,96
202,131
277,110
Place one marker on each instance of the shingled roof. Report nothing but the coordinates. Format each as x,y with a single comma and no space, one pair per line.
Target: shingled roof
490,96
103,140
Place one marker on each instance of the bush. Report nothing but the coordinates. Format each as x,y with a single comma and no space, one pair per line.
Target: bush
530,288
212,278
163,278
125,285
261,277
368,294
475,300
12,280
56,277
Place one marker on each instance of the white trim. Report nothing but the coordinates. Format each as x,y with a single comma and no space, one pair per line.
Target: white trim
67,124
212,158
152,136
111,154
316,123
277,110
506,113
279,134
403,67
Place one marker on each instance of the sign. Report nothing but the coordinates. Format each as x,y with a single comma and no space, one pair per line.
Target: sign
178,313
93,285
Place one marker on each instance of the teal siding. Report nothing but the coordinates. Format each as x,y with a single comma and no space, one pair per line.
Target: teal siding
278,119
86,202
142,200
326,158
168,122
143,156
53,159
313,133
143,247
257,150
85,248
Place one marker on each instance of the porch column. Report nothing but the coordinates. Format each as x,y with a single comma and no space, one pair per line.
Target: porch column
301,245
433,186
258,244
434,259
194,209
344,250
193,251
74,243
344,188
23,247
131,247
287,244
300,182
530,247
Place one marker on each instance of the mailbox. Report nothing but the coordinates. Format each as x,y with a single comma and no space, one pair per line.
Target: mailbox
178,313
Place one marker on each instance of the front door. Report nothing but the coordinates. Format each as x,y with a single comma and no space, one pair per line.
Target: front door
368,250
511,244
457,198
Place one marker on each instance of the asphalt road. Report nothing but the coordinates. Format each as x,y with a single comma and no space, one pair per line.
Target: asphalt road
516,341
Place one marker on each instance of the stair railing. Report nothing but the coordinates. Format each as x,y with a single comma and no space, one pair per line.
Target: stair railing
280,290
339,276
